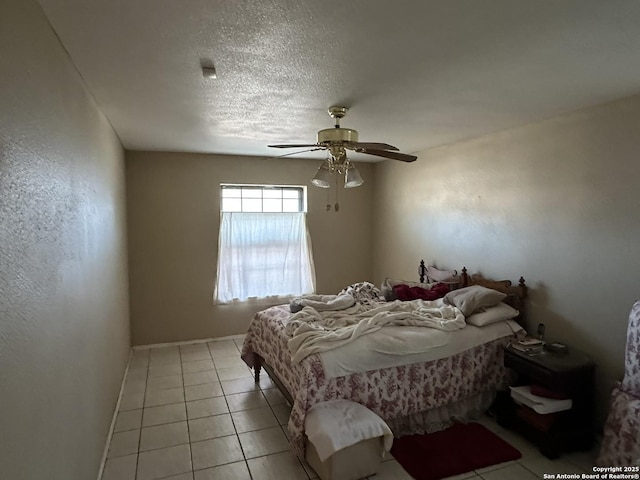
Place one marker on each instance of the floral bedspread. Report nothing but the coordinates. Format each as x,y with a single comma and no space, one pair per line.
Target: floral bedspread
391,393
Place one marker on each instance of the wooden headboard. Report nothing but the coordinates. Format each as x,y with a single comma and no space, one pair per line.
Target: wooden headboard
516,295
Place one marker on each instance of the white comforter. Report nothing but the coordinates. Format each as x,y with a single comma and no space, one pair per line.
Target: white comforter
312,331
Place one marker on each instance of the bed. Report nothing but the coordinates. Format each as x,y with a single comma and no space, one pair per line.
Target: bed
456,378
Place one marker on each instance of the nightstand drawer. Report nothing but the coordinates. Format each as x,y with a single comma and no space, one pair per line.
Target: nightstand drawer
570,373
532,372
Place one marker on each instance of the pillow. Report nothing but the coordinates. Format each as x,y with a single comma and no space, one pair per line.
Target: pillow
499,312
387,287
470,299
444,276
364,293
405,293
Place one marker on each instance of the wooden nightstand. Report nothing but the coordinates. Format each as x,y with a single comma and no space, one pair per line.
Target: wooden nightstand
568,374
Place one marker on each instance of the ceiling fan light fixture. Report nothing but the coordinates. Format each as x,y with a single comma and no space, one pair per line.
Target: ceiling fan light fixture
323,176
352,177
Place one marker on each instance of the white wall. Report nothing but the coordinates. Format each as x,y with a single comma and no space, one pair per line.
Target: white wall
557,202
64,327
173,209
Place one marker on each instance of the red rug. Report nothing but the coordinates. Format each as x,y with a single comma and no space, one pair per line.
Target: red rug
459,449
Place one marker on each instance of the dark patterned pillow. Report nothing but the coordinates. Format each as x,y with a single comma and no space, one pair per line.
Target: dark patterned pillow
364,293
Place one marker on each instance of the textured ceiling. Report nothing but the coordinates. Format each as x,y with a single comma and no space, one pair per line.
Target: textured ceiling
415,74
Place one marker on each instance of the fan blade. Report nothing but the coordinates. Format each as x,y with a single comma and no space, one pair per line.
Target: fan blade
294,145
372,145
301,151
392,155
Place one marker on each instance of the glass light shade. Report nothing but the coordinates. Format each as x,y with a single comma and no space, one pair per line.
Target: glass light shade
322,177
352,178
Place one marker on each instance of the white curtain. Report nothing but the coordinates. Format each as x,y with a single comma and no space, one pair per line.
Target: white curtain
262,255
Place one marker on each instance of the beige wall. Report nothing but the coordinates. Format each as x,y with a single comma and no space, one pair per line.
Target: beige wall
556,202
173,203
64,329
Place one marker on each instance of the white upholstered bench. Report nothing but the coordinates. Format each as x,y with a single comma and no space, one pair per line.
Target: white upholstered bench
345,440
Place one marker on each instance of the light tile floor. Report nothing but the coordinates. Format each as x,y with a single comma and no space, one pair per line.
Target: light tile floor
193,412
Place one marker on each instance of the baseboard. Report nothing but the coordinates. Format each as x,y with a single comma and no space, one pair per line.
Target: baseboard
114,418
187,342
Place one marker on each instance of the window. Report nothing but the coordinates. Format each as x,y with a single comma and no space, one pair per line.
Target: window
256,198
264,248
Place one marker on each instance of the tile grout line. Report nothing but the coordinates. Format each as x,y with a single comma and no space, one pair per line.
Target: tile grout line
244,457
105,452
246,461
186,415
144,399
261,391
282,427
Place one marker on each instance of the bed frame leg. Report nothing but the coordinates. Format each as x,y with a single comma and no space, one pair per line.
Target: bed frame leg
256,368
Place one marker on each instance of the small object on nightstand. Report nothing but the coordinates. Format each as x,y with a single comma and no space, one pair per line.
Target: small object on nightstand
528,342
541,331
556,347
527,345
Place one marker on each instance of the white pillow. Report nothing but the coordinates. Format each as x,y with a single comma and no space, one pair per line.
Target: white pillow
471,299
443,276
489,315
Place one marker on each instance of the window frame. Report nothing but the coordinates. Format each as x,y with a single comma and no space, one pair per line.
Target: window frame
302,198
302,210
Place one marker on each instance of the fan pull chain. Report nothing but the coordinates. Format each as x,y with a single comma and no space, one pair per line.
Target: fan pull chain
336,205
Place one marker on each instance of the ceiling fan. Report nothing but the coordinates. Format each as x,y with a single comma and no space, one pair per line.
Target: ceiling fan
337,141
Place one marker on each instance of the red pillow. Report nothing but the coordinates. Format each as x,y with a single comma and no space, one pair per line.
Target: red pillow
405,292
